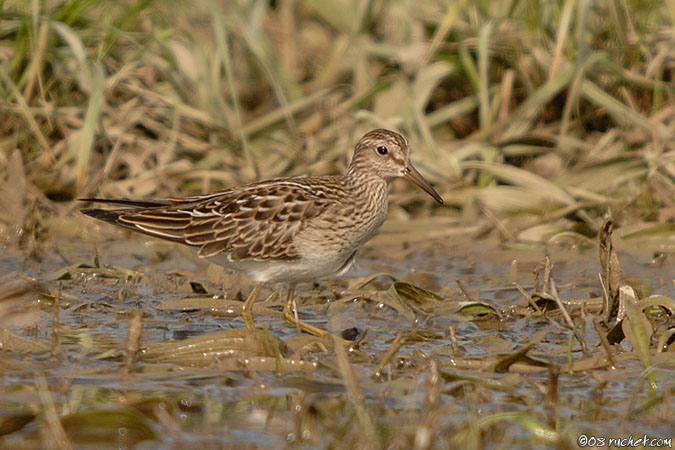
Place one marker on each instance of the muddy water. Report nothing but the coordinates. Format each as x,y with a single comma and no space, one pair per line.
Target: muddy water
219,402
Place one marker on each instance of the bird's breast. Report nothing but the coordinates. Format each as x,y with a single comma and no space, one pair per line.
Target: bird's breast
345,227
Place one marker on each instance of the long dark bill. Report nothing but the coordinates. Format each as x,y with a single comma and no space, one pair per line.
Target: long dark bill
413,175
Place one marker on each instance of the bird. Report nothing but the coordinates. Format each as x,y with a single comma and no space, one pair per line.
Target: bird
290,230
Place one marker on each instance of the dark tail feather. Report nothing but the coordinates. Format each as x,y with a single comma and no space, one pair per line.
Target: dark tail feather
125,202
113,216
106,216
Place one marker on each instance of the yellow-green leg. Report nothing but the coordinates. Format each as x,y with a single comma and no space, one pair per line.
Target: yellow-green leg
247,312
291,315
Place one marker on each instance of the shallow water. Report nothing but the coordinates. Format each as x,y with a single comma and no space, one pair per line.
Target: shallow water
239,399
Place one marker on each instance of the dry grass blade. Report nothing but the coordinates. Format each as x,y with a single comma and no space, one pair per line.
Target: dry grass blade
618,109
638,330
386,358
356,396
54,436
540,430
566,316
504,362
522,118
222,42
605,343
526,180
25,110
207,349
611,273
14,343
85,143
485,110
133,343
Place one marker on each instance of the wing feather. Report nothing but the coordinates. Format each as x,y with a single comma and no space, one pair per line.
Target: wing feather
258,221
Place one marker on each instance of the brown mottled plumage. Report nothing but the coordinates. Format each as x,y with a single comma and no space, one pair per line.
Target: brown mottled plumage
285,229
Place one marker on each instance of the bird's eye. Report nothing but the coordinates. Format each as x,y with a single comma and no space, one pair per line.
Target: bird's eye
382,150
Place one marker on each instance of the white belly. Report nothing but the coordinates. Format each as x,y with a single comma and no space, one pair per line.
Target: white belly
307,268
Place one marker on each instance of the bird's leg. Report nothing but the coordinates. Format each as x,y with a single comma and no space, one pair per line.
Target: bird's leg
247,312
291,315
294,306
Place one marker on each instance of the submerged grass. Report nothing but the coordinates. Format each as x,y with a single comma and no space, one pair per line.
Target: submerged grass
535,120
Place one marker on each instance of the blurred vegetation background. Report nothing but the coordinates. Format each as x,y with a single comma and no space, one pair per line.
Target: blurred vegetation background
534,119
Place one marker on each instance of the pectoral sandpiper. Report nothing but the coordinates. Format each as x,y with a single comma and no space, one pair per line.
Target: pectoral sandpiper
285,229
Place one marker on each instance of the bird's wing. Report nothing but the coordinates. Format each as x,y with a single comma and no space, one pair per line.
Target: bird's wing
253,222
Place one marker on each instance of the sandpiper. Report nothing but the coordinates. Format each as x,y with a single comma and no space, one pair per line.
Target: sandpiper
284,229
